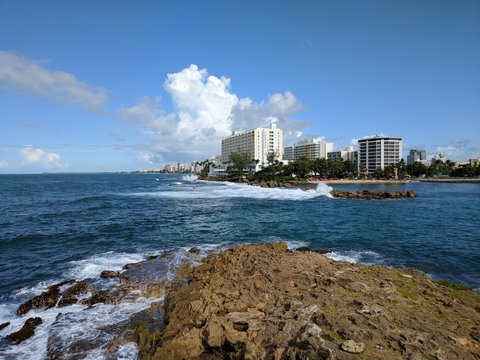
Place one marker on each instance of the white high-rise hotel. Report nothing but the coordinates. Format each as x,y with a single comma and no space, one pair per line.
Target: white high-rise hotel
378,151
257,143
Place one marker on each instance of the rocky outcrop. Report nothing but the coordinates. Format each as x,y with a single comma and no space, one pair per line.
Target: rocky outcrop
266,302
26,332
369,194
4,325
45,300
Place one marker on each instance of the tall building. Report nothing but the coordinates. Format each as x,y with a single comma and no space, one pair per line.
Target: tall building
417,155
378,152
314,148
257,143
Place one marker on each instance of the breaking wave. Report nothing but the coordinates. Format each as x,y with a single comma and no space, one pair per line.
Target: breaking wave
352,256
234,190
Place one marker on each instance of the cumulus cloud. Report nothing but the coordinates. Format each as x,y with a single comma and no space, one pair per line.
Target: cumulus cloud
4,164
30,75
205,111
38,156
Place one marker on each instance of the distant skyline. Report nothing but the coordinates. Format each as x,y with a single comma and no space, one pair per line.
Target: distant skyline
124,85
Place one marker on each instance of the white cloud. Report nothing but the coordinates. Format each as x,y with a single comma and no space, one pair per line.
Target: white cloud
29,75
38,156
205,110
4,164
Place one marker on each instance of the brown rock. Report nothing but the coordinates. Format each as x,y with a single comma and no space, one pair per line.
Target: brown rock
194,250
26,332
353,347
4,325
70,295
98,297
108,274
45,300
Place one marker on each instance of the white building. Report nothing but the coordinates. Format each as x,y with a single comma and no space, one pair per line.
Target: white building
313,148
257,143
378,152
344,155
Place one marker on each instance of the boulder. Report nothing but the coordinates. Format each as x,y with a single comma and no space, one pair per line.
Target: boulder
108,274
26,332
194,250
4,325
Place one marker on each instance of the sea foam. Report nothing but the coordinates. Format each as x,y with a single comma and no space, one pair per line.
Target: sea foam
234,190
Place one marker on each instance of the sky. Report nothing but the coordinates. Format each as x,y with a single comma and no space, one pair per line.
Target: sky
127,85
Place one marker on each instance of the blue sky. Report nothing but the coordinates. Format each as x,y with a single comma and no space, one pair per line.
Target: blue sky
125,85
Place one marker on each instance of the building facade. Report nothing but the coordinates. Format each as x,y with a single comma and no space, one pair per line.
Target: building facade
314,148
344,155
417,155
378,152
257,143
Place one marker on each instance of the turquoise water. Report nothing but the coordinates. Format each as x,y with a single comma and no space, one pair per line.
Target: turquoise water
54,227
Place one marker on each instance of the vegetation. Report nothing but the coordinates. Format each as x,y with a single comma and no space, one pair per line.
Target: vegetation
302,169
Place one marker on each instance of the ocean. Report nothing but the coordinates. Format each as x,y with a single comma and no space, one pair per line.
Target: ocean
55,227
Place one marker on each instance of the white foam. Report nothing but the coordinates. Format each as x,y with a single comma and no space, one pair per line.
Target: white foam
177,183
190,178
94,265
352,256
234,190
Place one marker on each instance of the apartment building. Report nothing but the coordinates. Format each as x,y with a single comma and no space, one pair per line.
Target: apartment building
378,152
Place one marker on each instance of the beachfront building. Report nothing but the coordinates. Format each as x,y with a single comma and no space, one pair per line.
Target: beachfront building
257,143
344,155
313,148
417,155
378,152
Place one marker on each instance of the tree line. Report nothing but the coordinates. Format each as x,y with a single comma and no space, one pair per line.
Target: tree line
303,168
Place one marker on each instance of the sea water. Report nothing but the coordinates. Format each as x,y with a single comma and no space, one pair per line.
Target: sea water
62,226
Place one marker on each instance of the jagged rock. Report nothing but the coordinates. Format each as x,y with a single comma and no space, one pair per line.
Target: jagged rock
306,248
369,194
130,266
108,274
26,332
353,347
45,300
4,325
98,297
194,250
264,302
70,295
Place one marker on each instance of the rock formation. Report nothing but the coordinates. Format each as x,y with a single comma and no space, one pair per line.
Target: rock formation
266,302
369,194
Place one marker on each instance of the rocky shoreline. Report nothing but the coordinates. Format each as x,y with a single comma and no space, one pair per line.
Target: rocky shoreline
361,194
267,302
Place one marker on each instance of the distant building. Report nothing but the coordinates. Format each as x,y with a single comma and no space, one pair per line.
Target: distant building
314,148
417,155
257,143
441,157
344,155
378,152
474,162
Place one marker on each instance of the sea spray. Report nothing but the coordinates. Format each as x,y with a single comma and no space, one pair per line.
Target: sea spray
234,190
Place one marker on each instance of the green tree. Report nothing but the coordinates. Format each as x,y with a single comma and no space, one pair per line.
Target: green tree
240,161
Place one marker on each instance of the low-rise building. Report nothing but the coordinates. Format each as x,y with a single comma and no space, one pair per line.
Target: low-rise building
312,148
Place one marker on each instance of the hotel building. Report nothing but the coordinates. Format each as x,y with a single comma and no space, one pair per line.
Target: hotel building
257,143
378,152
344,155
315,148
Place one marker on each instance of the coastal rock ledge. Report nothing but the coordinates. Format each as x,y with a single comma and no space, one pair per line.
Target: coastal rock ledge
267,302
